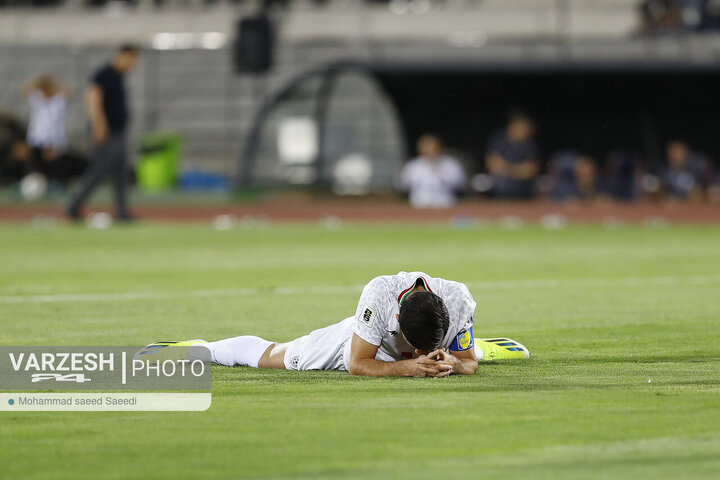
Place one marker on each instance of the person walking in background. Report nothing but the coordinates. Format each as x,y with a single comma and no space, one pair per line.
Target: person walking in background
512,159
46,133
107,108
432,179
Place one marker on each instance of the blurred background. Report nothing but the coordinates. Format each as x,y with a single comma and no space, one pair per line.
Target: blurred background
460,104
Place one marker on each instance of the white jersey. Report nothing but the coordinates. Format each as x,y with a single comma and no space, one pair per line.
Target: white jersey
433,184
47,121
375,321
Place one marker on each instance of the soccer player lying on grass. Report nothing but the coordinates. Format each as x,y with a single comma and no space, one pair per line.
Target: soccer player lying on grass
408,324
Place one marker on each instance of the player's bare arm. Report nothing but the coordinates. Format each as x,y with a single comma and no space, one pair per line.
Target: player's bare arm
363,362
93,105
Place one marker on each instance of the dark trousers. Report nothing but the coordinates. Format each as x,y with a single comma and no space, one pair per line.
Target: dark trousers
61,168
109,159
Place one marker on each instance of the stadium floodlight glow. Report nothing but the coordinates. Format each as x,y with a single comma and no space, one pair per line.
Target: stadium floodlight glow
402,7
188,40
116,8
185,40
468,38
420,7
398,7
164,41
213,40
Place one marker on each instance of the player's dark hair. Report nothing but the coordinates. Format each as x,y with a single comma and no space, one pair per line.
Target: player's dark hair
130,48
516,114
424,320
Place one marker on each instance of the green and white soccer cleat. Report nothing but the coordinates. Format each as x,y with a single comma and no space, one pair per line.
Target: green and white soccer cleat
488,349
185,350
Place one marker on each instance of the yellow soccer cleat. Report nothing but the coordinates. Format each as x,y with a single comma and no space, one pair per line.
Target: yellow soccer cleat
186,350
488,349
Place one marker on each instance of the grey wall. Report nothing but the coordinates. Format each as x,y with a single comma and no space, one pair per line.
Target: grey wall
196,93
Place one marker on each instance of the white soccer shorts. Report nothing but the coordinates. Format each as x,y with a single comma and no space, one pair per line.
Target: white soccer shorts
323,349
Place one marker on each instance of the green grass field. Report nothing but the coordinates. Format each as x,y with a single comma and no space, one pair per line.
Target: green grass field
603,311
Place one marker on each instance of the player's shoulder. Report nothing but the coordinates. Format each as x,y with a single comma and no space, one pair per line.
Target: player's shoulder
394,284
391,286
103,74
380,280
445,285
378,287
457,298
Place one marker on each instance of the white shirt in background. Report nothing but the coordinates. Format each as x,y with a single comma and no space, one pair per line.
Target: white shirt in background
47,121
433,184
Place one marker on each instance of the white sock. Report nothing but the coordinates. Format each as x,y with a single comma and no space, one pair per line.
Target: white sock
478,351
245,350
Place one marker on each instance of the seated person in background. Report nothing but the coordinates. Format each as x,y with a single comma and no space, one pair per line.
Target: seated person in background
622,170
714,192
574,177
46,135
661,16
432,179
687,174
511,159
14,151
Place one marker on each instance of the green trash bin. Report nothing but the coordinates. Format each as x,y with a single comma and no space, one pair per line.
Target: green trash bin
157,168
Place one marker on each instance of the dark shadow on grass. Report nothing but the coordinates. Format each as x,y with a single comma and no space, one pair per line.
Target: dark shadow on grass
648,359
491,377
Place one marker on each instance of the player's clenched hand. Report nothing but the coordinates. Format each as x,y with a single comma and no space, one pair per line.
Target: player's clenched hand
445,359
424,367
444,362
428,366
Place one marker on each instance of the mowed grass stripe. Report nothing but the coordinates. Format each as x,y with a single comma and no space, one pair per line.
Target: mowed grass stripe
623,325
329,290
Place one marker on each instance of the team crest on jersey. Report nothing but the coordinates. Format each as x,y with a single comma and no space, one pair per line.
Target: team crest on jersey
368,317
464,340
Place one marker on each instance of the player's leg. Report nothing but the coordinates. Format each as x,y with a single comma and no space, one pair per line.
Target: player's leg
274,356
98,169
246,350
321,349
120,175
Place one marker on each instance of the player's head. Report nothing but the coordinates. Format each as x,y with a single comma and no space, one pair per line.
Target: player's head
125,57
47,84
585,171
520,126
424,320
677,153
429,146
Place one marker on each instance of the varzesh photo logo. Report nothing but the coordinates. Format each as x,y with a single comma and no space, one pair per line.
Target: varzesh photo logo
132,377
